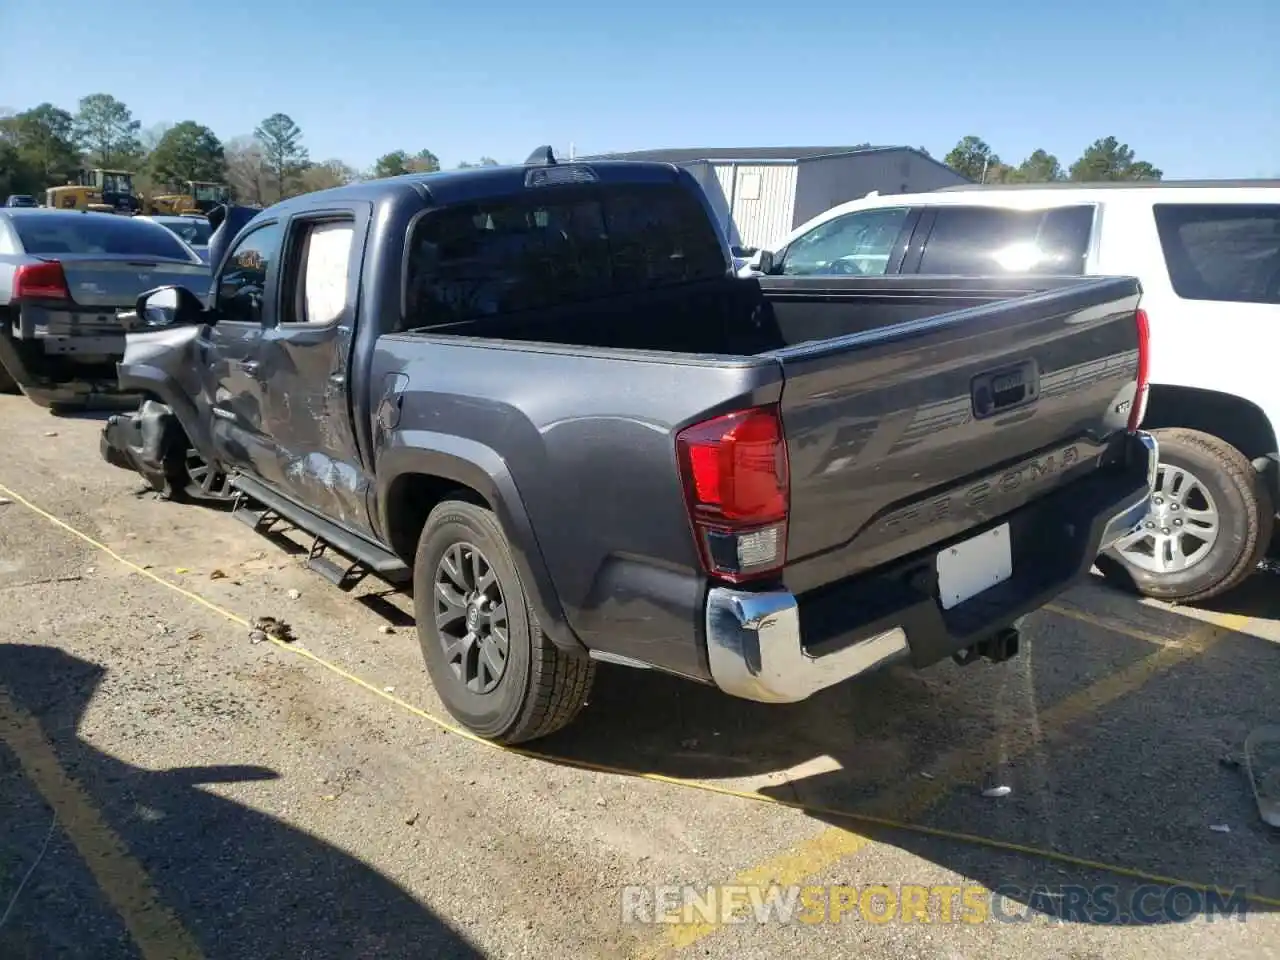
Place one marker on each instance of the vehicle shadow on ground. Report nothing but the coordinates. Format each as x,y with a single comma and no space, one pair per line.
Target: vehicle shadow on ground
1132,773
1257,596
243,883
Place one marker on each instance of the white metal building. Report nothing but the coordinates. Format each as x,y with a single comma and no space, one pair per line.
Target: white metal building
761,193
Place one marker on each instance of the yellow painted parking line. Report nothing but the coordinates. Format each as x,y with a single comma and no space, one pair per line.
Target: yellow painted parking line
155,929
912,798
832,845
1112,625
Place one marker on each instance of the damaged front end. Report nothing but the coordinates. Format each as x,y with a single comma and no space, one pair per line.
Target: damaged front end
149,441
163,440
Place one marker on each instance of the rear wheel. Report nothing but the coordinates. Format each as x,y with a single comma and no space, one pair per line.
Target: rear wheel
490,662
1210,522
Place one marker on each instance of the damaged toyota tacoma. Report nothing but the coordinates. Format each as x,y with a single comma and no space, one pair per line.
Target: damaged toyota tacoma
539,395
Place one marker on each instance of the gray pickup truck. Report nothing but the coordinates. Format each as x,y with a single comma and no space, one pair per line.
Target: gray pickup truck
539,395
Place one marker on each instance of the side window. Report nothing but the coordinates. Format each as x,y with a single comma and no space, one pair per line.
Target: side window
242,284
1227,252
324,255
986,241
857,244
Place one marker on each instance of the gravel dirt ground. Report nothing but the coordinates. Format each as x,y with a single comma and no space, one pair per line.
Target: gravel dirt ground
169,789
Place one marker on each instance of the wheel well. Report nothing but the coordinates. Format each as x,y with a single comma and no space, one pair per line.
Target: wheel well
1233,419
411,499
1237,421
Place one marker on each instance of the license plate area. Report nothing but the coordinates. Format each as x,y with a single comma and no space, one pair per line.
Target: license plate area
974,565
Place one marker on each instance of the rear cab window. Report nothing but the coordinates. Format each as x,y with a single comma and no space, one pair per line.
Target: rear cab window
1221,252
555,247
991,241
96,233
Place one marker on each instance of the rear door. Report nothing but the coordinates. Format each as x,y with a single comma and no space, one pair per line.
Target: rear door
1215,302
983,241
303,364
245,302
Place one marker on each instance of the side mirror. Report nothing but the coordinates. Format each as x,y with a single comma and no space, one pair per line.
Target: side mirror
761,262
170,306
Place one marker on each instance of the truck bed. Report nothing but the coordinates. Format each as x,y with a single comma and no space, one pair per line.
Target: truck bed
747,316
875,382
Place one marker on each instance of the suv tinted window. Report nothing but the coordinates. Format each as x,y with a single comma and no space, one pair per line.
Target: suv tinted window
981,241
552,248
1222,251
54,233
857,244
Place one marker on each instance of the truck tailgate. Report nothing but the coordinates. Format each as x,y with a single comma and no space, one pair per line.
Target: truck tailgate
906,435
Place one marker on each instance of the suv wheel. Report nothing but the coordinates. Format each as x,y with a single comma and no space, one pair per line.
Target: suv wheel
1210,522
496,671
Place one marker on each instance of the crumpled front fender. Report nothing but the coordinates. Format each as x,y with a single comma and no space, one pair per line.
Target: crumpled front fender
148,441
166,364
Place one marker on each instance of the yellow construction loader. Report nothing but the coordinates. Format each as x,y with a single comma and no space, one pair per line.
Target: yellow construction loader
108,191
192,196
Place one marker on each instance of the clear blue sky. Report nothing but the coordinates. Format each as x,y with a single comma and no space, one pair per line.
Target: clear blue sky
1193,87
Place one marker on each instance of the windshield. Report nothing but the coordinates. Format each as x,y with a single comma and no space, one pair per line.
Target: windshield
211,191
117,182
96,233
193,232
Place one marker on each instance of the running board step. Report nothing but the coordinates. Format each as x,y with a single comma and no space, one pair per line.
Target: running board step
358,556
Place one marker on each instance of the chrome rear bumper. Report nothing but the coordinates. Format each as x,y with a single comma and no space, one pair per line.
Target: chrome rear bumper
755,649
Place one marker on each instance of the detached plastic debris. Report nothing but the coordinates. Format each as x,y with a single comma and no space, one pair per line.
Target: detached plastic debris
1219,828
1262,764
1000,791
270,627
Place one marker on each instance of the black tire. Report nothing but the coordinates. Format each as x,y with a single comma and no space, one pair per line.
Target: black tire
540,688
1246,516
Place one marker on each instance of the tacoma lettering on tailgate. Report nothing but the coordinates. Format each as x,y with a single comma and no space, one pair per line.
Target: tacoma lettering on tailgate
993,495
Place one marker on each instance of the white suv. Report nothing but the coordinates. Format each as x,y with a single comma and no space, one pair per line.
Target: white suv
1208,257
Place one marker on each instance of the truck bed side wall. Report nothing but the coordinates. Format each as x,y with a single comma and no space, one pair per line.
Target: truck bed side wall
587,444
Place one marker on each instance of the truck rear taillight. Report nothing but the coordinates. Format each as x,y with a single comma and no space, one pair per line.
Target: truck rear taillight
1139,408
735,474
40,281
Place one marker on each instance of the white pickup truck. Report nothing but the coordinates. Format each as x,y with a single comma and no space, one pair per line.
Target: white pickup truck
1208,256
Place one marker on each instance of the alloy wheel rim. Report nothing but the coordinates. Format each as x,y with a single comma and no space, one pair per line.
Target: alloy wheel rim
1181,528
471,618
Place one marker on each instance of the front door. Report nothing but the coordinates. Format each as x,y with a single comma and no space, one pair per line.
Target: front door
304,357
244,305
